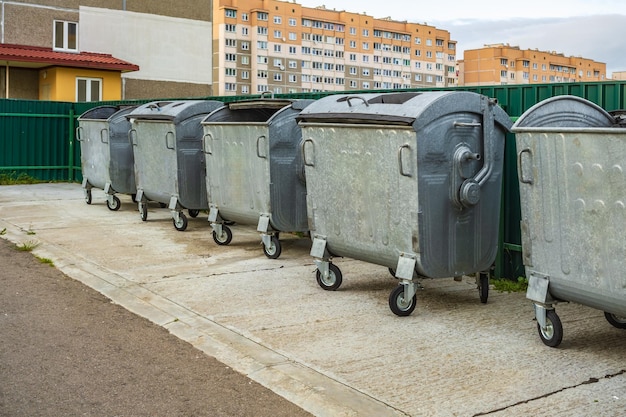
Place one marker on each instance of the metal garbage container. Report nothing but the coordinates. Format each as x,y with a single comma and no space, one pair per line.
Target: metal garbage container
411,181
571,168
254,170
169,163
106,155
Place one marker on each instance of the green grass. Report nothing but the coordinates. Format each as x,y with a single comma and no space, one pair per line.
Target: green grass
27,246
13,178
507,285
45,261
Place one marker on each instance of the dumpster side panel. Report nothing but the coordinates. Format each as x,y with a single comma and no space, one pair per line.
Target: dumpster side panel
362,190
238,170
457,239
94,147
190,164
155,159
573,196
122,168
287,185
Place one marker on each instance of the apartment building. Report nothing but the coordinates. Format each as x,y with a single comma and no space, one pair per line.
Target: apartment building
90,50
502,64
282,47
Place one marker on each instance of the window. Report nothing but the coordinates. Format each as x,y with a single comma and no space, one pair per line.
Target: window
353,57
261,30
230,86
277,48
293,78
352,31
245,75
244,31
244,17
292,22
262,15
230,42
293,64
365,85
65,36
365,72
230,72
245,60
260,59
261,88
261,44
245,45
231,13
230,28
278,34
244,89
366,32
293,36
352,44
231,57
261,74
292,50
88,89
278,76
278,20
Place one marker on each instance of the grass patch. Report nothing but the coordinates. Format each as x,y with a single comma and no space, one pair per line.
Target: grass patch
13,178
507,285
27,246
45,261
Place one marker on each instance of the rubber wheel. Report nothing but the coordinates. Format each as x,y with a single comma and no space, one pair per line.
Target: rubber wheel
552,335
483,287
225,238
334,278
181,224
616,321
115,206
143,211
273,252
397,303
193,213
88,196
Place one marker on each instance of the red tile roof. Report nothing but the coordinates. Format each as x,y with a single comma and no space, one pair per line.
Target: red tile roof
48,57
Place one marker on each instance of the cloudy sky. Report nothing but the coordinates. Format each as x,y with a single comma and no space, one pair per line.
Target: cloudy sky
594,29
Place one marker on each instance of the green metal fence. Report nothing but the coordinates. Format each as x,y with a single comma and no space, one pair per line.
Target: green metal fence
37,138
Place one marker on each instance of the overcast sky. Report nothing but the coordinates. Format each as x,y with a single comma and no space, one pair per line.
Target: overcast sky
594,29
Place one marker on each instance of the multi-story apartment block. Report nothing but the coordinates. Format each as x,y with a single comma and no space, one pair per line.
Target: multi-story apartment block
89,50
283,47
504,64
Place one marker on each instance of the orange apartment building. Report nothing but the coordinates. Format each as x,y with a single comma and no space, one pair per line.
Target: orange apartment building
503,64
282,47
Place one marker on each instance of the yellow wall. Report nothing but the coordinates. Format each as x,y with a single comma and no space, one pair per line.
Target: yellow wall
59,83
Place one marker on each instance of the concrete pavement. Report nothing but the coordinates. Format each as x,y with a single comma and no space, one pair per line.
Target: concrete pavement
337,353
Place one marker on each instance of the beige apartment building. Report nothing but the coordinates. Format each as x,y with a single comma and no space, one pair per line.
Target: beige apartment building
282,47
502,64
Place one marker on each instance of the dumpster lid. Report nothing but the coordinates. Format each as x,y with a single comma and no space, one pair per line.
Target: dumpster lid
99,113
564,111
174,111
402,108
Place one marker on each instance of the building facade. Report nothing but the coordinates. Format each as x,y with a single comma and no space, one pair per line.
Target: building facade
282,47
502,64
88,50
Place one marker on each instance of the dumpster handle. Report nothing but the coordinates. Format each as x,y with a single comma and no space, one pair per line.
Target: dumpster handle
167,142
104,138
132,135
520,172
357,97
258,146
304,160
265,93
400,164
79,130
205,142
462,124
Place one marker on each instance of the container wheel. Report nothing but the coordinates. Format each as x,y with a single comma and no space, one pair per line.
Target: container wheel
334,278
615,320
225,237
181,224
483,287
115,205
87,196
143,211
399,305
193,213
273,252
552,335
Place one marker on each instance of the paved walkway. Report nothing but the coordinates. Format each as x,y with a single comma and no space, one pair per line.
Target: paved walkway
337,353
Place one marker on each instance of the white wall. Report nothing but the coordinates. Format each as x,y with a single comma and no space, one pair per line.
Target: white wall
165,48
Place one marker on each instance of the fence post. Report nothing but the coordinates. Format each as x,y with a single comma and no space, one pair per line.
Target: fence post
70,173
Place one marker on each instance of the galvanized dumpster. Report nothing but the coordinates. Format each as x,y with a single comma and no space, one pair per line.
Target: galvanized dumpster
169,163
411,181
254,169
572,178
106,155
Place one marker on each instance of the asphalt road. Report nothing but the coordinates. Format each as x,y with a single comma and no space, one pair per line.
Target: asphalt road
66,350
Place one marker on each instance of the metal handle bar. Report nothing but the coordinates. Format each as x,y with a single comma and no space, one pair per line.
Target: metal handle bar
400,163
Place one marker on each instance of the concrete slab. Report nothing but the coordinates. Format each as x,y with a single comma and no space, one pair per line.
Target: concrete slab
337,353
